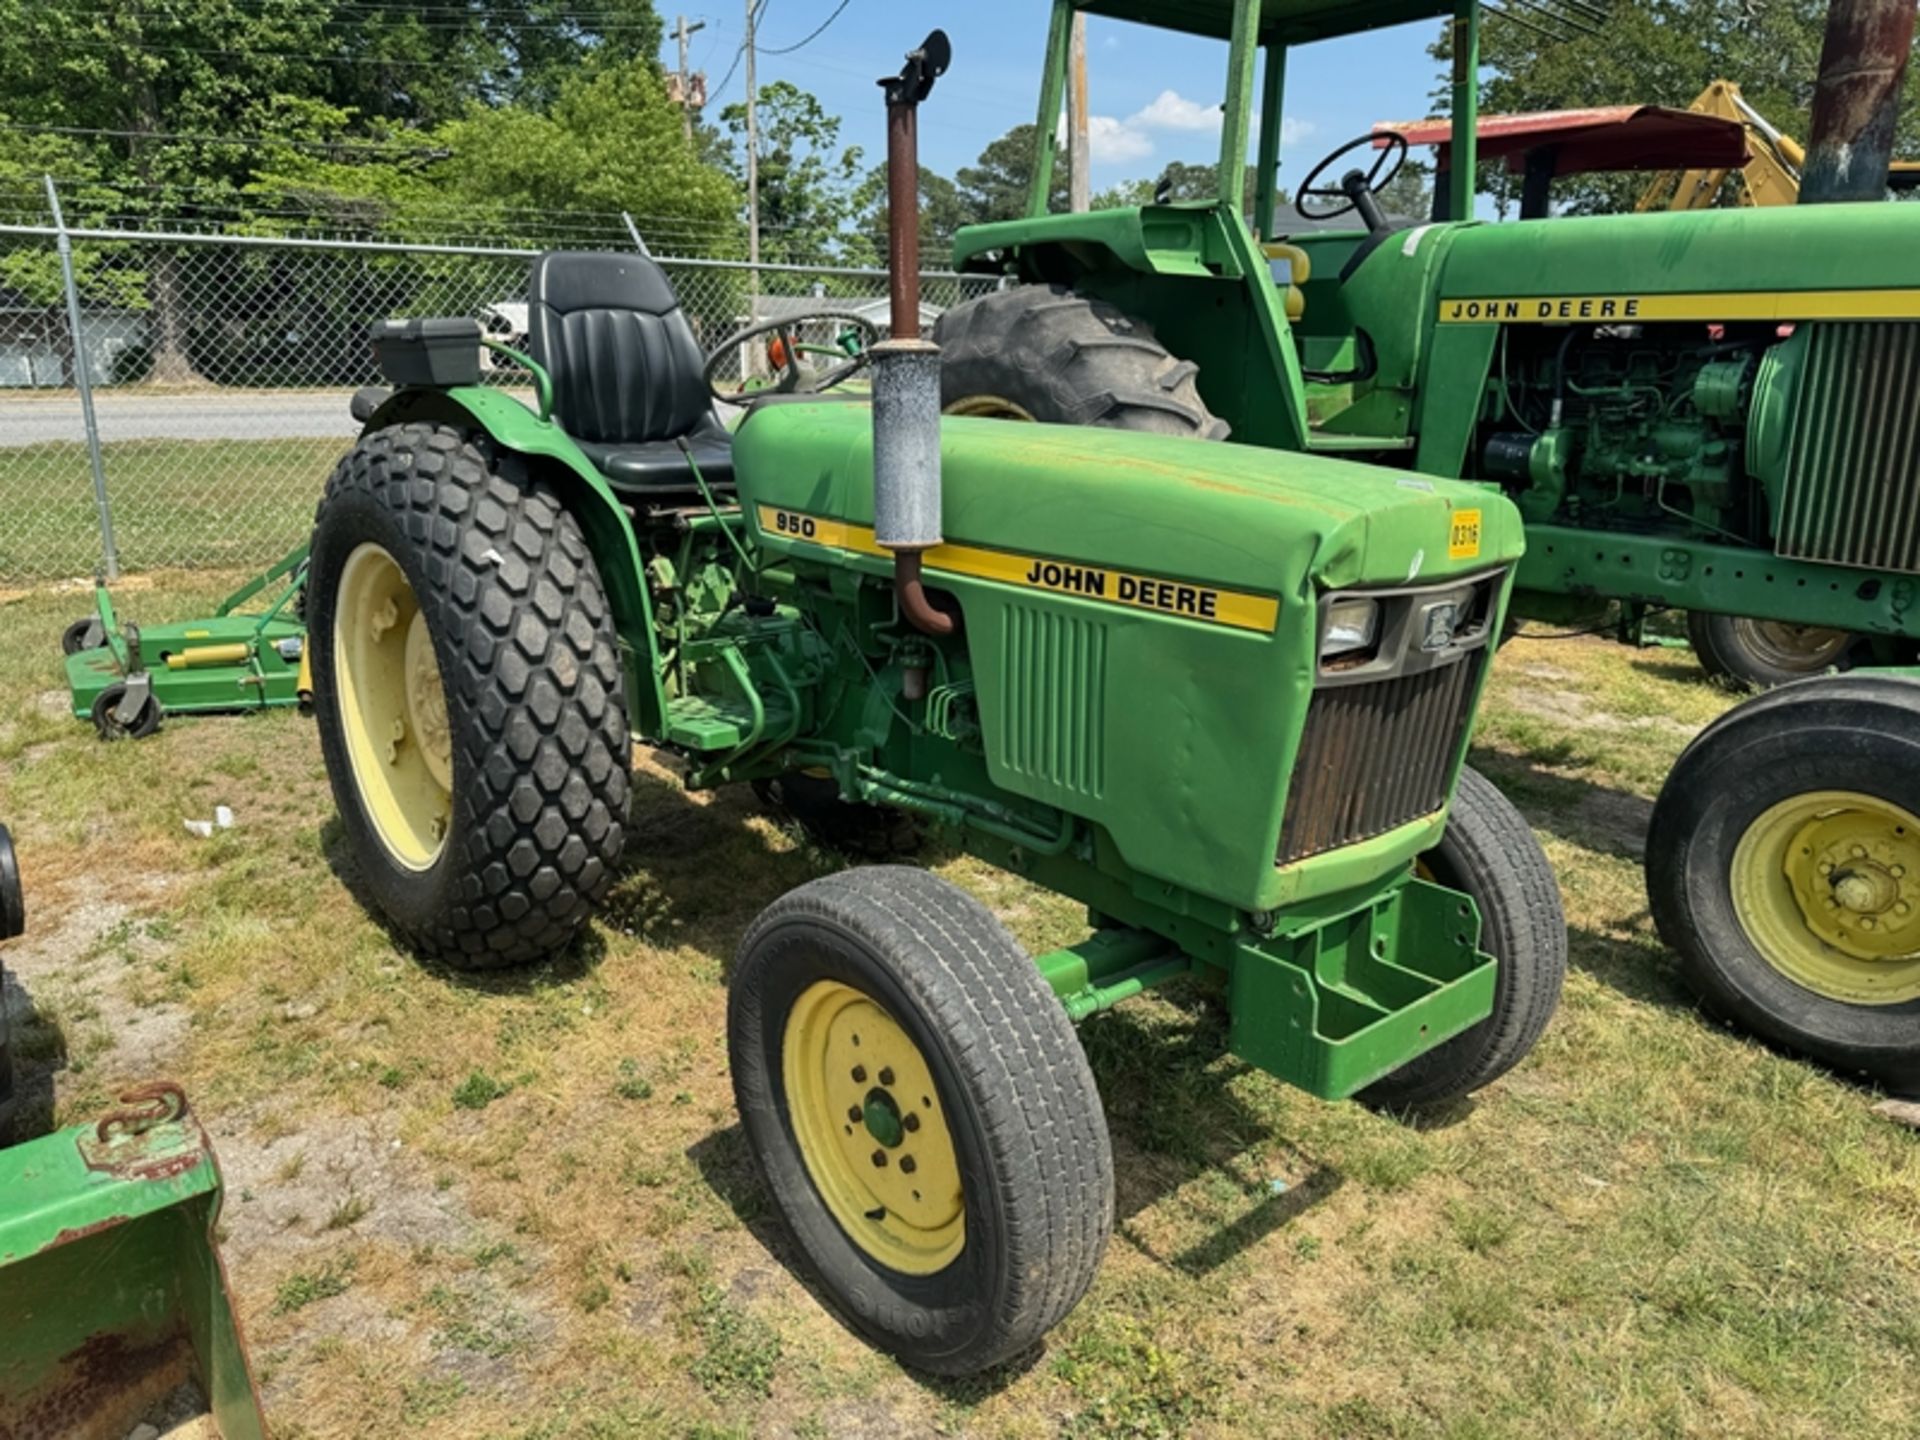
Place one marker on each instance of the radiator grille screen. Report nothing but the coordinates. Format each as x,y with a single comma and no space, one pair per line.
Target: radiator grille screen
1376,755
1852,490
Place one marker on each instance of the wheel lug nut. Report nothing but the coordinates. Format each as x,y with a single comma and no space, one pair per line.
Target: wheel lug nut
886,1075
910,1120
853,1114
859,1074
1826,867
880,1159
907,1167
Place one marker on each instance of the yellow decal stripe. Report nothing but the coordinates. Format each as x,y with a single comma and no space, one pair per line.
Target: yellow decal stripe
1187,599
1743,305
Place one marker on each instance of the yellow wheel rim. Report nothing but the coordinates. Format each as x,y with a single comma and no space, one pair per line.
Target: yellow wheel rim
393,708
872,1129
990,407
1827,887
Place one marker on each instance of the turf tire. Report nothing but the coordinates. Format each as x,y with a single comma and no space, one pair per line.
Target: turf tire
1069,360
1489,852
1851,732
1028,1129
536,708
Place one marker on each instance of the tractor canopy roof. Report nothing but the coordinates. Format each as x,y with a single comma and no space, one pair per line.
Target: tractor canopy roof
1609,138
1282,22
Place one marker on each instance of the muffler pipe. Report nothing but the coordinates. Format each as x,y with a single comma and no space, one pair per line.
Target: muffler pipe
906,368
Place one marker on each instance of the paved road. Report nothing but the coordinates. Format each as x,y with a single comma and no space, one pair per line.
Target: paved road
268,415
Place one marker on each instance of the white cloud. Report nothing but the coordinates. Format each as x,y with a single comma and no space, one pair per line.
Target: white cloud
1114,141
1170,110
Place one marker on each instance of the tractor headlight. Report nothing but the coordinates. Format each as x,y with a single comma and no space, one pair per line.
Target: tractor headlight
1353,623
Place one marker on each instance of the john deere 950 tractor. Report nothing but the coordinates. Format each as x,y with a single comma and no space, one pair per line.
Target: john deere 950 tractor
1219,696
1716,412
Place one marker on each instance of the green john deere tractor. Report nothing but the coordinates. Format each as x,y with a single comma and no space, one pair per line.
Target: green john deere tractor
1223,700
1716,411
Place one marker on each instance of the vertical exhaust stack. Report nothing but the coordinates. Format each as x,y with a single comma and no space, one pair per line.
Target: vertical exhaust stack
1856,100
906,369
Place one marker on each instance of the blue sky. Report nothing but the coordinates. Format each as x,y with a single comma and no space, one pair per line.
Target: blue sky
1153,96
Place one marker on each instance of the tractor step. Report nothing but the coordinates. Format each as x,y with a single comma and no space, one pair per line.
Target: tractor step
1331,442
708,725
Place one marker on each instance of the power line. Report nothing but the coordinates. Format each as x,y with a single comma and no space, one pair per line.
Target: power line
260,140
817,33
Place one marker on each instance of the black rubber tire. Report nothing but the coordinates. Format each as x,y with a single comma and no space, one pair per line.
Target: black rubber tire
9,1096
814,803
1029,1132
1490,853
83,634
109,726
1854,732
1069,360
536,706
1728,650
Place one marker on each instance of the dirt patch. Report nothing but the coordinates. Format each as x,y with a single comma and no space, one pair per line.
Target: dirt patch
1565,707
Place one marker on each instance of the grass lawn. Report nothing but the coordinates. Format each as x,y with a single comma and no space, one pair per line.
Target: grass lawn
520,1206
175,502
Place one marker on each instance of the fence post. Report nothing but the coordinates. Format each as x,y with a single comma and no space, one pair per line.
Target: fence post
634,231
83,382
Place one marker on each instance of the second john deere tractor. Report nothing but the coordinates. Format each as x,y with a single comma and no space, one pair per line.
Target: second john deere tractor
1717,412
1221,701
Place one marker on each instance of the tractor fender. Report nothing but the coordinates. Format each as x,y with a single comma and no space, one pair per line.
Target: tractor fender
603,519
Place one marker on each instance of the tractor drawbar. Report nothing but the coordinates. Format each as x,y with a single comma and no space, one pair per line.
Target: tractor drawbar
906,369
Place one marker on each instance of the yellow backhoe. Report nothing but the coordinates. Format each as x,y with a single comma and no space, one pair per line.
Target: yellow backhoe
1771,175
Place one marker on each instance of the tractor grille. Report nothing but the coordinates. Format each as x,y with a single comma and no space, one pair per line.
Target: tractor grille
1377,755
1852,489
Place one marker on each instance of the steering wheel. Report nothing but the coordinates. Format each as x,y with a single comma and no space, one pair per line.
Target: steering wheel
1358,189
782,346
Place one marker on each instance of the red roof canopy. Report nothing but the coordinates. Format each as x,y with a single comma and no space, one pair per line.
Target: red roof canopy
1613,137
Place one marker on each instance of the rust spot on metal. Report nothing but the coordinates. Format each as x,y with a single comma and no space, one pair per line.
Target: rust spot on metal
100,1387
81,1232
1856,100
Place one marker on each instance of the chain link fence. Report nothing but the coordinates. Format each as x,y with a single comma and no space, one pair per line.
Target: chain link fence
218,371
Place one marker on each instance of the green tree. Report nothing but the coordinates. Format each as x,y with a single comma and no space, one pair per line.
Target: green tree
942,213
1180,181
995,186
809,187
1658,52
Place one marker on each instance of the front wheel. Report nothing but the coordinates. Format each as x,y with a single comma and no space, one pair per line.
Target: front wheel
1489,854
1783,865
922,1115
1760,654
468,695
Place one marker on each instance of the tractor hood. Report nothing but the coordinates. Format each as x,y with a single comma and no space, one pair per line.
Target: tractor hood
1230,516
1795,263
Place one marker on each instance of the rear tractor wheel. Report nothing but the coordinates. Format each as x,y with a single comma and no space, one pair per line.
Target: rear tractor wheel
1760,654
922,1115
1489,853
1043,353
468,694
1783,865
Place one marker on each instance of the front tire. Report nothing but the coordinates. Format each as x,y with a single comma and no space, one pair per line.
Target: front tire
1783,865
1489,853
468,694
1760,654
1039,352
922,1115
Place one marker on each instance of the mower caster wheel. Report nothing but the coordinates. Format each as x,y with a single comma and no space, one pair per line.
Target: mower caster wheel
1783,865
922,1115
850,827
109,724
83,634
1489,853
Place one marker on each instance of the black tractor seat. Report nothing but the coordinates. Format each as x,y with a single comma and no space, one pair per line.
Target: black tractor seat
628,376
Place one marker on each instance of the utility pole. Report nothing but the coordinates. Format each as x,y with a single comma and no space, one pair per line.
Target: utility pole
681,32
1856,100
753,169
1079,189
